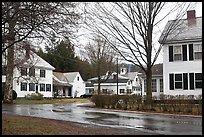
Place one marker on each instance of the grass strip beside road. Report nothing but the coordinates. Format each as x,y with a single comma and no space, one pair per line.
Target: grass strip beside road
49,101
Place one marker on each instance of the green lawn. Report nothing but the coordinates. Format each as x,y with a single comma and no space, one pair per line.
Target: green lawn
49,101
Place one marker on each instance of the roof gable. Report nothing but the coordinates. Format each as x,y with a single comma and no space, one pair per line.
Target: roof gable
71,76
37,61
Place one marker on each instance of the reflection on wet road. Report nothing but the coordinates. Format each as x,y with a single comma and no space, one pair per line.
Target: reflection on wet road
152,123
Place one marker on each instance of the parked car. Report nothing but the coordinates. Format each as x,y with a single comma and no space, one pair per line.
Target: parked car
85,96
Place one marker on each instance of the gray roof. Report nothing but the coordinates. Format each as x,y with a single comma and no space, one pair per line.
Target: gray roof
131,75
157,70
60,80
182,30
71,76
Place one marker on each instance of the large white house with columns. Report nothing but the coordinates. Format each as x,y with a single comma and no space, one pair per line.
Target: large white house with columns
182,60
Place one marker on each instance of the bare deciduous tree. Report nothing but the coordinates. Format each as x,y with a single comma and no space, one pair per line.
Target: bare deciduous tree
132,26
24,21
102,59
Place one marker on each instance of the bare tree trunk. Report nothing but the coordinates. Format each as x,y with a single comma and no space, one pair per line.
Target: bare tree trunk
8,95
99,78
149,86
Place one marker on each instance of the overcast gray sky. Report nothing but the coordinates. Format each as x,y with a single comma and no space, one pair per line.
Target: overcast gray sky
83,39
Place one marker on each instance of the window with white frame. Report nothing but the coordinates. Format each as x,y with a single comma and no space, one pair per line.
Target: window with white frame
177,52
122,91
32,71
48,87
42,87
178,81
23,86
31,87
198,80
42,73
23,71
129,91
197,48
154,85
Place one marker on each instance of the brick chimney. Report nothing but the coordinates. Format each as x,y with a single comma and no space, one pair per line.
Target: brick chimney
191,14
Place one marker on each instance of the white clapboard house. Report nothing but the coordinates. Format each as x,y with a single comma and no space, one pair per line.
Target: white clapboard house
182,60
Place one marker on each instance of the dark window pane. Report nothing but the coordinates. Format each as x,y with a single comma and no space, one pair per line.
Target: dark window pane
23,71
23,86
48,87
31,87
32,71
198,76
198,84
178,85
178,77
42,73
42,87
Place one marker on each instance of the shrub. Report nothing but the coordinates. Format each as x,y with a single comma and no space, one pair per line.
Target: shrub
34,96
14,95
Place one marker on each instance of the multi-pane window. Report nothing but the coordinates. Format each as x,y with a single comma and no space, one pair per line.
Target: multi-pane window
23,71
178,81
197,48
48,87
42,87
42,73
32,71
129,91
122,91
198,80
31,87
154,85
161,85
177,52
23,86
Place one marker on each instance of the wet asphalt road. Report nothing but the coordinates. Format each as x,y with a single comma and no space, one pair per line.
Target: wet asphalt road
151,123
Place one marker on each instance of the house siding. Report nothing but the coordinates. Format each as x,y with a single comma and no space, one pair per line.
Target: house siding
180,67
78,88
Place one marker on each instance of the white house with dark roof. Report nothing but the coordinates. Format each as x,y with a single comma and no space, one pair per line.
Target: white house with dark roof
68,84
127,83
182,60
33,75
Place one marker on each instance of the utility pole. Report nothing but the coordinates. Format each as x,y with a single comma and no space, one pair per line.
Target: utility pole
117,76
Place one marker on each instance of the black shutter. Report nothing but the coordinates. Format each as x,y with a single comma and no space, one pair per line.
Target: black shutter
170,53
185,81
184,47
190,51
191,78
171,81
